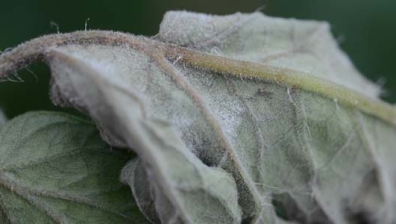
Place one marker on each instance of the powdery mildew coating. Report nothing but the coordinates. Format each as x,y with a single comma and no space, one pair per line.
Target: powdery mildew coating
221,137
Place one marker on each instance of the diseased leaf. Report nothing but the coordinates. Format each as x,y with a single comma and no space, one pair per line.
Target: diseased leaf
256,112
56,169
306,46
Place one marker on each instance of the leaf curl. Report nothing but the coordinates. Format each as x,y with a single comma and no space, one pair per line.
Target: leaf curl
230,116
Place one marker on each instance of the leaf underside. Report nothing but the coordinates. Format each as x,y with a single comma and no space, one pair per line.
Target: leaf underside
297,135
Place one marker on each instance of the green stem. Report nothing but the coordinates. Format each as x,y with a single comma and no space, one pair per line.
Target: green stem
36,49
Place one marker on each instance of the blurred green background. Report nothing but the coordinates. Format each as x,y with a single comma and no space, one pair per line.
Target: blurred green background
365,28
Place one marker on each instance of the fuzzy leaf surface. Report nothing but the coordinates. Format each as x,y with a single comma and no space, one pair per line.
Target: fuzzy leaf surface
56,169
3,119
235,119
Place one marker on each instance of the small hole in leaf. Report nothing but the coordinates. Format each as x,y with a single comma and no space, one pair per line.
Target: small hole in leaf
280,209
288,209
358,218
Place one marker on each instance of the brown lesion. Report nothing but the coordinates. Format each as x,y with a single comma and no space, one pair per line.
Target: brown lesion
263,92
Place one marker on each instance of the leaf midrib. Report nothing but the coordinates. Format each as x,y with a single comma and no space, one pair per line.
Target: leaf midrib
36,49
26,193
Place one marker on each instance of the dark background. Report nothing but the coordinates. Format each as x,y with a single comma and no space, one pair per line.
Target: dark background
366,29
